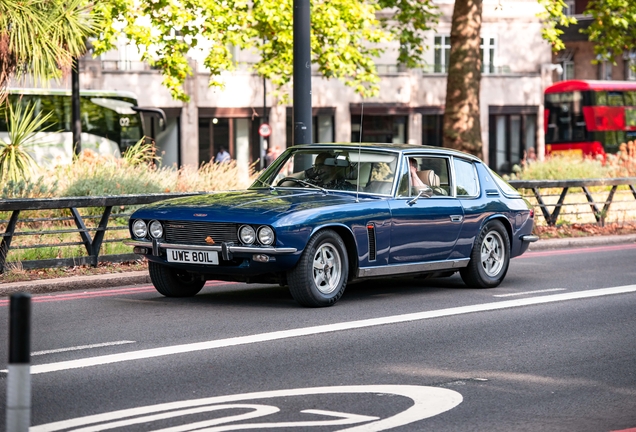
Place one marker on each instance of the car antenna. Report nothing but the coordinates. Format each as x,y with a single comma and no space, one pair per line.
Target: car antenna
359,151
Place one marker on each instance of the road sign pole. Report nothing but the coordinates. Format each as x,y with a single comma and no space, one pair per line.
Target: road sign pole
19,369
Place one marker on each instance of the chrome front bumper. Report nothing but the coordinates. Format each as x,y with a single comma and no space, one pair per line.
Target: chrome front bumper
224,248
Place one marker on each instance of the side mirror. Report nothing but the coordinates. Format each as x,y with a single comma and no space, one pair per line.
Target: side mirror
425,191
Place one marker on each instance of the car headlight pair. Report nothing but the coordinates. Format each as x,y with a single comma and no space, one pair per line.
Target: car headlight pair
140,229
264,234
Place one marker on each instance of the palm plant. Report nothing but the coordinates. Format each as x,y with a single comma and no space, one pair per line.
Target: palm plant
16,163
41,37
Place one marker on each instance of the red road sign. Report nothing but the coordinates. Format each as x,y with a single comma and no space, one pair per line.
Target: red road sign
264,130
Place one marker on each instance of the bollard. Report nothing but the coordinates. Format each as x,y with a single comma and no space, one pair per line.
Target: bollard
19,370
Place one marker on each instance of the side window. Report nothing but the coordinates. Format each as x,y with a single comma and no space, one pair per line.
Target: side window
466,178
430,171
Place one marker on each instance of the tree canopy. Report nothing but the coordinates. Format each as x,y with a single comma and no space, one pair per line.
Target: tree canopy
41,37
346,35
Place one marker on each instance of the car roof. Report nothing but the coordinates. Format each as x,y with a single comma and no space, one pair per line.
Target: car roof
402,148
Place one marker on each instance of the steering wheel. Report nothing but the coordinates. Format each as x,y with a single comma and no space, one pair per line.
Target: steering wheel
285,179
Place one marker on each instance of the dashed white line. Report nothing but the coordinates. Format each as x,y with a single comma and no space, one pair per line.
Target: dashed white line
80,347
329,328
529,292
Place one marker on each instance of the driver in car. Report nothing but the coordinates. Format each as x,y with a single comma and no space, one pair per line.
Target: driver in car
329,176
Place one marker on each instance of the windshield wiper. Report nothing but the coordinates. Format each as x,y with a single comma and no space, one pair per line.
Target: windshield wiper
303,182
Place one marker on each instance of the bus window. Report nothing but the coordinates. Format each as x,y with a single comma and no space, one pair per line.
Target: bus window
565,117
109,124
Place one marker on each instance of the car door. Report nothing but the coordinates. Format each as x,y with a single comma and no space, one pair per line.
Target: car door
424,229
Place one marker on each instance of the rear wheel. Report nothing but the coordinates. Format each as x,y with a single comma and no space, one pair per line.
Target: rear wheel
320,277
490,257
172,282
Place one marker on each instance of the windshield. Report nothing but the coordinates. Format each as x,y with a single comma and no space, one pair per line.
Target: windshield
332,169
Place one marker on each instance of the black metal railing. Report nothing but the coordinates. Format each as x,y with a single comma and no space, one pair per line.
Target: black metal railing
549,196
541,190
100,209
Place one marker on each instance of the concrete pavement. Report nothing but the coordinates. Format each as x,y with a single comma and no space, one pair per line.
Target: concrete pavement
111,280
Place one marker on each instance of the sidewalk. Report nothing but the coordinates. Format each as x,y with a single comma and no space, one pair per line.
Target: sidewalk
112,280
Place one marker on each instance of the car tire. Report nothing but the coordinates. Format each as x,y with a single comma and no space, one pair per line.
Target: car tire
490,257
320,277
172,282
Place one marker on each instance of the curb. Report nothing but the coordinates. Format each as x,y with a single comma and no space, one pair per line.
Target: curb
110,280
577,242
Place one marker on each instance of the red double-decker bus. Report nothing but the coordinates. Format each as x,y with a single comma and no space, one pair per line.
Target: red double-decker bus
589,117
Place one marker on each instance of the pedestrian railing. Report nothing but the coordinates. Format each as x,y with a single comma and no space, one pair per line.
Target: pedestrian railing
563,199
89,219
43,219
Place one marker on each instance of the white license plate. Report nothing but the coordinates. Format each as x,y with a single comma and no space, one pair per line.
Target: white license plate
193,256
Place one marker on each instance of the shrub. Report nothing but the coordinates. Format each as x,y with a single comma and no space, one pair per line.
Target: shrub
561,168
28,189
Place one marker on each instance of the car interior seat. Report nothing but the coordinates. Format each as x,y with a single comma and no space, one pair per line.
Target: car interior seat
429,178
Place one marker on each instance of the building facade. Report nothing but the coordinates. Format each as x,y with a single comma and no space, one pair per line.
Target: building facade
517,66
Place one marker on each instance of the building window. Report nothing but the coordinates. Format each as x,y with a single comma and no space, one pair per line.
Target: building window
565,58
569,9
322,128
604,69
487,50
380,129
512,136
432,126
442,53
568,70
630,64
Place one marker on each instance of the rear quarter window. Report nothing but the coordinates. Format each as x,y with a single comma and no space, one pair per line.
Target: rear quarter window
466,184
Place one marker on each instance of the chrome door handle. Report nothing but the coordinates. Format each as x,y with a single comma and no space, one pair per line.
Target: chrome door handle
456,218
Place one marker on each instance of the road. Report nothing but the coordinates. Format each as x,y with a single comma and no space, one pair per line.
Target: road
551,349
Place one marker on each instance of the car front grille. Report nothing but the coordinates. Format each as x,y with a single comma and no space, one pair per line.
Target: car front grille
195,233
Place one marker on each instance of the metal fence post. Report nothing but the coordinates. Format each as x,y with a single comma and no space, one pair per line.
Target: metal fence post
19,377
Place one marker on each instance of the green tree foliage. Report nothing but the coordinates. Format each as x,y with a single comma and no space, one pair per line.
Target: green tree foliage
41,37
613,29
345,36
613,26
554,20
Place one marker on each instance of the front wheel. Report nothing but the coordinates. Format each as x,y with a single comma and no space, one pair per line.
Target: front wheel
320,277
171,282
489,258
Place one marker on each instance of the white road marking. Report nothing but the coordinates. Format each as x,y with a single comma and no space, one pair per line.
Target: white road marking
530,292
427,402
80,347
286,334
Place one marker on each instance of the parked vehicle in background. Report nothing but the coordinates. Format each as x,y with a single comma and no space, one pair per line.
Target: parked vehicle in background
111,122
324,214
589,117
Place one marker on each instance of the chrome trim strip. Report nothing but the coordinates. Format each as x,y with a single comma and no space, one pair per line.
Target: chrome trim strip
232,248
394,269
529,238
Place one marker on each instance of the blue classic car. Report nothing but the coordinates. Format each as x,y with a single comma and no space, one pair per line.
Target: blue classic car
325,214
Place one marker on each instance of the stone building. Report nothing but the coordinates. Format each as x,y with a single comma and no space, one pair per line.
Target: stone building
517,66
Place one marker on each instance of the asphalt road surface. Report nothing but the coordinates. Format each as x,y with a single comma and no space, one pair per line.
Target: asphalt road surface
552,349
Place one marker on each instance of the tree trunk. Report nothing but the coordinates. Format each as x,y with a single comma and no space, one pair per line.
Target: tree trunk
462,128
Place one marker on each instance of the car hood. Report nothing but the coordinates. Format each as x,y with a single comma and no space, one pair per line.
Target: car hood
248,203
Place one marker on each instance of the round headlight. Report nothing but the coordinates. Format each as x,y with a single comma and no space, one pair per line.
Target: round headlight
265,235
139,228
156,229
247,235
